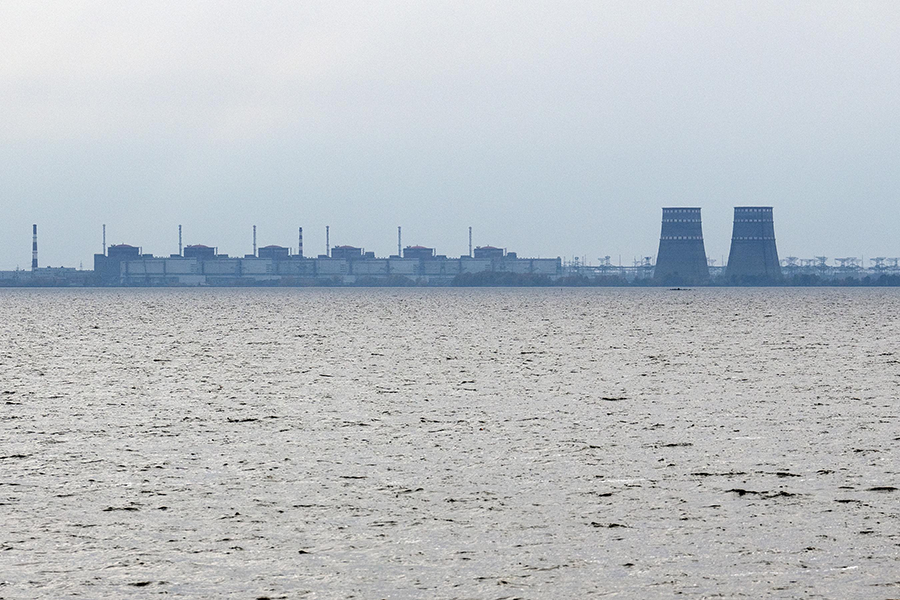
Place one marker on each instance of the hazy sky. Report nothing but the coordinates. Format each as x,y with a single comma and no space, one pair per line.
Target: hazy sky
553,128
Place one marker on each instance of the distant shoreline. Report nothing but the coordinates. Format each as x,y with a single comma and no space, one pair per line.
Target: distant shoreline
487,280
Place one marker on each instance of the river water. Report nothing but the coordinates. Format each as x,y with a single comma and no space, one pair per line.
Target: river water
444,443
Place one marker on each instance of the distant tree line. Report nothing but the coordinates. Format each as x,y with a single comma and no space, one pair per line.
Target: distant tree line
502,279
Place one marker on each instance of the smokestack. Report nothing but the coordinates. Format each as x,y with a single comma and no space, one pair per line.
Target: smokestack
300,245
327,241
104,240
681,258
254,240
180,247
753,257
399,243
34,263
470,242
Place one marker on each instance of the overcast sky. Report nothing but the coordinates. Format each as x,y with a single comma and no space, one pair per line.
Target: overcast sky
553,128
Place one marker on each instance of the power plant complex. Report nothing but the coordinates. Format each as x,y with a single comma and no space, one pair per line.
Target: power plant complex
680,260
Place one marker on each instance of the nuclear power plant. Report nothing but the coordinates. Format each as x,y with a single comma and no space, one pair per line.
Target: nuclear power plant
753,257
681,259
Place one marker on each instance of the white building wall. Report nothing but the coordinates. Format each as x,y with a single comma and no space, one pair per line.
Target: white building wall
182,266
475,265
222,266
191,271
257,266
404,266
370,267
331,266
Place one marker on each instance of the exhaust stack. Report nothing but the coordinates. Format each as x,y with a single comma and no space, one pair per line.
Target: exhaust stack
34,261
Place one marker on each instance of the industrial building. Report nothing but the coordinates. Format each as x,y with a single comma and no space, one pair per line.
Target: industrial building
274,265
753,257
419,252
681,259
489,252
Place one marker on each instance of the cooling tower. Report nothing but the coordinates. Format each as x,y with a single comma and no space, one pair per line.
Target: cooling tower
753,257
681,258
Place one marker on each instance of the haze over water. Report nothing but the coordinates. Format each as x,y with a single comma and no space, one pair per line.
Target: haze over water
444,443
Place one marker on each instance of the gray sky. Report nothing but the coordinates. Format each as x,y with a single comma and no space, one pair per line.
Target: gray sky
553,128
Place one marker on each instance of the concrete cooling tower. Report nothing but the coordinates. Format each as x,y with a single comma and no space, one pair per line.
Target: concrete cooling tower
753,257
681,259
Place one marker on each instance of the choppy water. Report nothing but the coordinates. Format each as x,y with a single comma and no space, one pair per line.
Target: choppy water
449,443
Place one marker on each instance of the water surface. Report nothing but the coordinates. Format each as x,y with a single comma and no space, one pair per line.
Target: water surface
440,443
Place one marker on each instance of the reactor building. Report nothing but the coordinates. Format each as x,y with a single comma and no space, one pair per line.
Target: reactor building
127,265
681,259
753,257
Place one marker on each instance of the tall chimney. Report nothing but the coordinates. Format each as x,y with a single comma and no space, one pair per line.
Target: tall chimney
327,241
180,247
34,263
254,240
104,239
399,243
470,242
300,246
